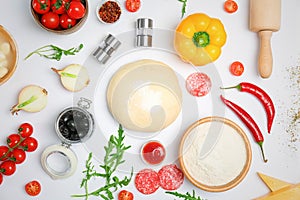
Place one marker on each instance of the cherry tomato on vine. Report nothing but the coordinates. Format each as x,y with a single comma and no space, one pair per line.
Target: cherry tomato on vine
1,178
125,195
237,68
30,144
66,21
50,20
33,188
8,167
76,10
41,6
132,5
58,6
3,153
230,6
25,130
18,155
13,140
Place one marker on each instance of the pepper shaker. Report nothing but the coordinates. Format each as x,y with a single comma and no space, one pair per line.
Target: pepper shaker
144,32
106,48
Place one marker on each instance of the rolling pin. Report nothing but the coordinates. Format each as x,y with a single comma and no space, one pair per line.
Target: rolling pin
265,17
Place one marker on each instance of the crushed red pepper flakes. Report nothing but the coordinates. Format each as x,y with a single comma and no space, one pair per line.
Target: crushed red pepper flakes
110,12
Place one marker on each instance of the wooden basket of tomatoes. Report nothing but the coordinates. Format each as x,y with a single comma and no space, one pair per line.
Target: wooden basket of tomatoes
60,16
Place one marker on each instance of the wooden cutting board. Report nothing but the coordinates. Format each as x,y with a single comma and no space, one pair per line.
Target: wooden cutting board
280,190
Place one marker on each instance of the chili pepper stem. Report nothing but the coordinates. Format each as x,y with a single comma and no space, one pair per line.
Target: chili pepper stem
232,87
262,151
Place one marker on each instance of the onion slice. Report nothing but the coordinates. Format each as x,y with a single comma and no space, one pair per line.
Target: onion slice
32,98
73,77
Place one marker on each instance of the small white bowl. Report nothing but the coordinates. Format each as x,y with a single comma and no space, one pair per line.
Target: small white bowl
101,4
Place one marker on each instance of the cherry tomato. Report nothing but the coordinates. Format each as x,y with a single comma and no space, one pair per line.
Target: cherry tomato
8,167
33,188
41,6
125,195
58,6
50,20
237,68
66,22
30,144
1,179
18,155
230,6
132,5
25,130
3,153
76,10
13,140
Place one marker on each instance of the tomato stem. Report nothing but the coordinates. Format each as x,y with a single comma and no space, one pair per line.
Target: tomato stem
201,39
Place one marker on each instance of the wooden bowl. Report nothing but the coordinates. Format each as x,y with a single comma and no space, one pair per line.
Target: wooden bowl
12,58
73,29
238,175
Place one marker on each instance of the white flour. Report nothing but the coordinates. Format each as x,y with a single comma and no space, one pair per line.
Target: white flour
223,164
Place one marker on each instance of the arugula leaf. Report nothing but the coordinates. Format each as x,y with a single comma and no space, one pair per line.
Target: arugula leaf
186,196
114,152
54,52
184,4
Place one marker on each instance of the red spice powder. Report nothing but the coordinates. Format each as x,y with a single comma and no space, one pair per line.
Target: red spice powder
110,12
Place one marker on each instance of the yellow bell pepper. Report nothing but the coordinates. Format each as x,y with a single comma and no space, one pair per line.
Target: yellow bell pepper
199,38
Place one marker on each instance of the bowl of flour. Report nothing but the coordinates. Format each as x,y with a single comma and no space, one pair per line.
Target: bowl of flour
226,165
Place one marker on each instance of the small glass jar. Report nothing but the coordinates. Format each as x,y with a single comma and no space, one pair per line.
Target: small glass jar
73,125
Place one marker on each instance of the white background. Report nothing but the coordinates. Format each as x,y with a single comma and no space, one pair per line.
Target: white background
283,155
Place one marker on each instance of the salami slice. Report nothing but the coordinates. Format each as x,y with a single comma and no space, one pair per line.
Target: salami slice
198,84
147,181
171,177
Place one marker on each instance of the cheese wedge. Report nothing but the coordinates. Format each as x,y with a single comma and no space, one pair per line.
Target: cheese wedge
280,190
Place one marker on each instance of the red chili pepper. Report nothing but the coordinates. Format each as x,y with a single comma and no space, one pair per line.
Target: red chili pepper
249,122
262,96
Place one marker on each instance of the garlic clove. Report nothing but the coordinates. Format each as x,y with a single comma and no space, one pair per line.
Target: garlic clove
5,48
3,71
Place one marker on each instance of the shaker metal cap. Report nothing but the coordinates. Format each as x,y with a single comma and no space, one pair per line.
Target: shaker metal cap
106,48
144,23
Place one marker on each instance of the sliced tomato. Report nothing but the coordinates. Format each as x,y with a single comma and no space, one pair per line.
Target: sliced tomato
230,6
133,5
125,195
237,68
33,188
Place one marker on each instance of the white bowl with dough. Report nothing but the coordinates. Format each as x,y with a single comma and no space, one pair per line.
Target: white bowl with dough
144,95
226,165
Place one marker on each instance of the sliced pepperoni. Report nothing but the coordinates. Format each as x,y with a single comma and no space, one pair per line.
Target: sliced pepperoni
147,181
171,177
198,84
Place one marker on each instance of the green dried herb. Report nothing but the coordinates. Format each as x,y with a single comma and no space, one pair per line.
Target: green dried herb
186,196
114,152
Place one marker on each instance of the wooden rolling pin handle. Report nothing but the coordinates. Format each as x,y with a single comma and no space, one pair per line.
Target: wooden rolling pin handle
265,60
